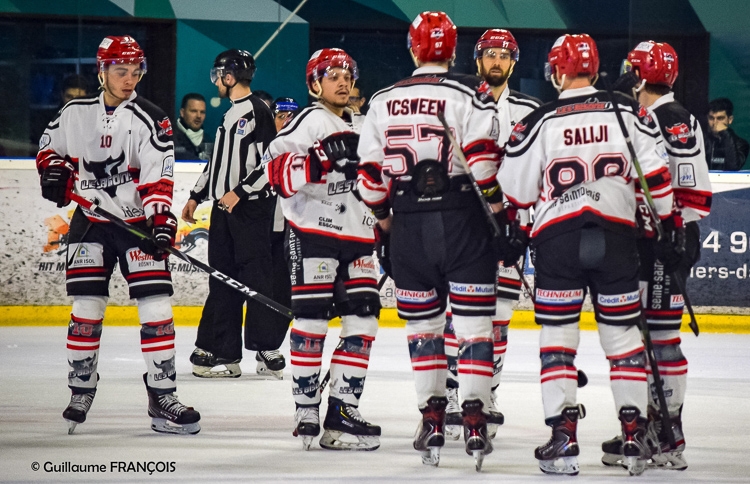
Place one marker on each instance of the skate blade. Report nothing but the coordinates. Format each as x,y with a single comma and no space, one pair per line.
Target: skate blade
307,442
332,440
612,460
478,459
669,461
71,426
431,456
231,370
165,426
453,432
563,465
634,465
263,370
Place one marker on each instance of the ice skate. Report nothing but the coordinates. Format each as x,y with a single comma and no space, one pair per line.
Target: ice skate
307,421
494,417
560,454
635,449
429,437
612,449
453,420
477,442
206,365
663,456
270,363
345,429
78,408
169,416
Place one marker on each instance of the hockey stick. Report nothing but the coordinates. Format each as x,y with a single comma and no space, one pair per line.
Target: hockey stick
94,207
273,36
483,201
658,383
326,378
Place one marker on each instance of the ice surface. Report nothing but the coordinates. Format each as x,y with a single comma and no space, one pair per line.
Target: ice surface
247,422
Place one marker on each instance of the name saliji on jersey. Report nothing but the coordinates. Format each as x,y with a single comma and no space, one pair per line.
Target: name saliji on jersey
586,135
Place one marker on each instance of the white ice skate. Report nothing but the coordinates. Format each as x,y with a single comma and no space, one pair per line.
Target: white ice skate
307,425
453,419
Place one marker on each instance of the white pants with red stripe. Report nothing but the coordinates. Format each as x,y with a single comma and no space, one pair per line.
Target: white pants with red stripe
157,341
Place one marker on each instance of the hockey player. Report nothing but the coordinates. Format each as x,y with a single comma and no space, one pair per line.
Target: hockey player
116,148
495,54
330,239
655,67
240,232
440,240
569,161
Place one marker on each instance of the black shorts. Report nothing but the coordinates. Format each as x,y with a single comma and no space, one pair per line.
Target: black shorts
593,258
93,250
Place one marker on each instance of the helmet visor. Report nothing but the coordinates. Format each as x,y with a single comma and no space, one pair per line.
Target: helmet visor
216,74
139,61
626,67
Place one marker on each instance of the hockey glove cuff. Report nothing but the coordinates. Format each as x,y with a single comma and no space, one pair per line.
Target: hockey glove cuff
670,249
511,245
163,230
58,181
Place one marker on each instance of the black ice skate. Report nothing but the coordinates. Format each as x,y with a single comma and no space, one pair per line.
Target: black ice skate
478,443
270,363
206,365
453,420
559,455
169,416
307,425
429,437
635,448
78,408
345,429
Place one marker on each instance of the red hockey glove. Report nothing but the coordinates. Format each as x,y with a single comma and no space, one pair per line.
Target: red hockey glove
58,181
163,230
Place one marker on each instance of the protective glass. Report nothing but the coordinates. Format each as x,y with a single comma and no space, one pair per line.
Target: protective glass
216,73
141,62
626,67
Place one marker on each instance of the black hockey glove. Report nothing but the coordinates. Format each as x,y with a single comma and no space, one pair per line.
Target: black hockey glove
511,244
335,152
670,249
58,181
163,230
383,250
626,82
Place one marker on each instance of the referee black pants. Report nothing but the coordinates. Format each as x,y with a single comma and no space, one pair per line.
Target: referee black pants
239,246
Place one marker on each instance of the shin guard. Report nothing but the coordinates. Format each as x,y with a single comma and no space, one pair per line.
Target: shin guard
84,333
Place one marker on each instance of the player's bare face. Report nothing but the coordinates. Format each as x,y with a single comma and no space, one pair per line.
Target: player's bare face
495,66
119,82
194,113
335,86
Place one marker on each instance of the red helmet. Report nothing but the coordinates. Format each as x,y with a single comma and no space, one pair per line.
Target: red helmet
498,38
323,60
432,37
655,63
120,50
573,55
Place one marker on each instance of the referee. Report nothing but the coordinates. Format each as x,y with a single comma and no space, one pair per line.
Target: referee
239,234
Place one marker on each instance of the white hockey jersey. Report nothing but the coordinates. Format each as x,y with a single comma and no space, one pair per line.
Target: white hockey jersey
569,160
328,211
683,139
124,160
401,129
512,107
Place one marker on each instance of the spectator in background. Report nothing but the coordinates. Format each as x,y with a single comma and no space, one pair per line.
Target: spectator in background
725,150
357,99
190,143
265,97
72,87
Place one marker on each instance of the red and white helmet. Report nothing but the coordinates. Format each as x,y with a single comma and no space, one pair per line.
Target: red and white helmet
432,37
122,49
499,39
654,63
325,59
573,55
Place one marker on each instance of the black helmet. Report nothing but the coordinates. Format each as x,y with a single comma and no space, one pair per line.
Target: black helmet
239,62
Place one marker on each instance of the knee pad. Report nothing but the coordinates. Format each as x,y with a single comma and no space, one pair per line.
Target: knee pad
558,363
667,346
311,326
357,326
360,345
89,307
154,309
620,341
503,309
472,327
564,335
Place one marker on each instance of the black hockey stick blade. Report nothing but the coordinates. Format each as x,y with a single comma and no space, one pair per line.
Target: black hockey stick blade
266,301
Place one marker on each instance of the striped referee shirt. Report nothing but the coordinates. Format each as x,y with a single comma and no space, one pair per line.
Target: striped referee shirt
241,139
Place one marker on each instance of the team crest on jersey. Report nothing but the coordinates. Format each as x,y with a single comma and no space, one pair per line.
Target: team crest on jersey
680,132
44,141
686,175
165,127
241,126
167,166
644,115
517,133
